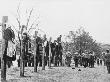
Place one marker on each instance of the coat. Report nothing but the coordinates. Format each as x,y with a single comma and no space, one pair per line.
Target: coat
107,59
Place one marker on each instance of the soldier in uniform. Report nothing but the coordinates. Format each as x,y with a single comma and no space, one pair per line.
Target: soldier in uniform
98,61
85,59
107,59
76,59
68,59
104,59
91,63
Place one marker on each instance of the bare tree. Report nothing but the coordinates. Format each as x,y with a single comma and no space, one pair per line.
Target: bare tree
28,27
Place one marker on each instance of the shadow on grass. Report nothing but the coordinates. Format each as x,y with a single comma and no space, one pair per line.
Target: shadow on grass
13,80
18,79
26,76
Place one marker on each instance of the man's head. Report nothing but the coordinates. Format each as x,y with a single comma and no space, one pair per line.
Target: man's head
107,50
24,35
90,52
60,35
44,37
54,41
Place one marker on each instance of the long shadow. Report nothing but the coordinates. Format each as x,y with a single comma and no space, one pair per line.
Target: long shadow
25,76
18,79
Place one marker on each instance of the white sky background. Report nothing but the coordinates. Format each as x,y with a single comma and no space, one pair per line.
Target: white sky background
61,16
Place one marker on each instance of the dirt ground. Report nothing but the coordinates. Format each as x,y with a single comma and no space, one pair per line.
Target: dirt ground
59,74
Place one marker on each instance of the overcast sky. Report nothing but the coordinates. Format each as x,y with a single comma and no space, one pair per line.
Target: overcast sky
60,16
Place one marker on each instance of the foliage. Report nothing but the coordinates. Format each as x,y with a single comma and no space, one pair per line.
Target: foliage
80,40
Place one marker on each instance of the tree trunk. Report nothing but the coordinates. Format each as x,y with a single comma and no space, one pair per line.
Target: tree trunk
21,60
49,55
43,59
35,54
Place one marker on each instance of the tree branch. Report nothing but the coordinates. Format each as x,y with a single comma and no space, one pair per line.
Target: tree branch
34,22
18,18
15,29
33,27
28,19
18,23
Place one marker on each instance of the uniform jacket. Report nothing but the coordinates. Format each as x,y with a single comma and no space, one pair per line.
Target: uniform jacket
107,57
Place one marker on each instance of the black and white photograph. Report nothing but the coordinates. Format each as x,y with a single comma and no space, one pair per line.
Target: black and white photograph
54,40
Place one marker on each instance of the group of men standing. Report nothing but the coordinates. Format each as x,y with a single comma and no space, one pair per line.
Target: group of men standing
86,59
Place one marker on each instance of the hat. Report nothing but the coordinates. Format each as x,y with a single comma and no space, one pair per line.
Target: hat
107,50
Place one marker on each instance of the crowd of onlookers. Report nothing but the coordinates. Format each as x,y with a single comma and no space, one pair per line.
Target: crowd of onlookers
86,59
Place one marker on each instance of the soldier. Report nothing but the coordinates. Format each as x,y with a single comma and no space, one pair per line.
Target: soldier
107,59
104,59
98,61
68,59
85,59
91,60
76,59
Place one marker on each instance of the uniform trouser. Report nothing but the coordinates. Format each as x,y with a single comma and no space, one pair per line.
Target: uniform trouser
76,63
108,69
85,62
69,62
100,62
56,61
9,63
108,66
53,54
25,63
92,63
97,62
18,62
29,63
60,60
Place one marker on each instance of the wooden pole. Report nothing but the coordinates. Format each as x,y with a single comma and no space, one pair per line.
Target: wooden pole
43,60
50,52
3,60
21,61
35,54
22,58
